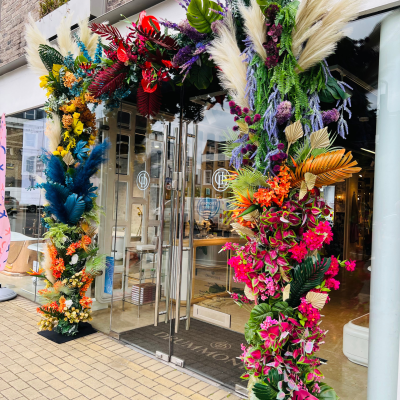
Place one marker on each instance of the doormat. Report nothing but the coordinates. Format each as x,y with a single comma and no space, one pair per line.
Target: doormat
85,329
207,349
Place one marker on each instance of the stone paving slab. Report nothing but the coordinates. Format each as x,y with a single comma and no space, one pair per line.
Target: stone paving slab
95,367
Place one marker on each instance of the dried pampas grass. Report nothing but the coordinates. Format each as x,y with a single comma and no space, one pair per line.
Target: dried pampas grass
88,38
53,132
65,41
227,56
319,26
34,39
254,26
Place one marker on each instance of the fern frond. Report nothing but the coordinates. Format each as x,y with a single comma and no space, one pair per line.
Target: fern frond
50,56
248,180
334,166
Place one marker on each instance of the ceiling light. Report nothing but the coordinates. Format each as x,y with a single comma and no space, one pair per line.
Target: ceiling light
369,151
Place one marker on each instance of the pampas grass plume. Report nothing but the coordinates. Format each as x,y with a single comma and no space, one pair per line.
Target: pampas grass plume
227,56
65,41
322,29
254,25
34,39
53,132
87,37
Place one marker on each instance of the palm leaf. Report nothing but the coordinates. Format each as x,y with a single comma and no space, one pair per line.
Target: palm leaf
108,32
331,167
305,149
264,392
50,56
108,80
149,104
156,37
248,179
230,137
307,276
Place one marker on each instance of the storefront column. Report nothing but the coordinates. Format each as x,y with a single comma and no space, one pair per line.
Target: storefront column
385,276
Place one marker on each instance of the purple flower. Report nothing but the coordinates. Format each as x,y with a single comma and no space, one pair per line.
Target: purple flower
182,56
235,128
232,104
283,112
281,146
243,150
276,168
282,156
246,110
247,119
238,110
235,118
271,12
190,32
245,161
330,116
275,31
257,117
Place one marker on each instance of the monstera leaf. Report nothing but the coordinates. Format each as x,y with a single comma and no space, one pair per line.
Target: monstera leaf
326,393
307,276
201,17
331,167
75,207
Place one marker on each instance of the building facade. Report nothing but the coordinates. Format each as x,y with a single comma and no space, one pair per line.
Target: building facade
165,263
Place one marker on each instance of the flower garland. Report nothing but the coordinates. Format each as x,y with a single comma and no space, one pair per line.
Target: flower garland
283,98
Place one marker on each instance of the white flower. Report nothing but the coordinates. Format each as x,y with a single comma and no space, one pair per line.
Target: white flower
64,239
74,259
68,303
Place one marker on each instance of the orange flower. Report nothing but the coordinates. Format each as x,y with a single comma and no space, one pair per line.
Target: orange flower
85,302
62,304
72,248
58,268
36,273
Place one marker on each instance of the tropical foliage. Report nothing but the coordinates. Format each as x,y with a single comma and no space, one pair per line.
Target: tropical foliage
271,62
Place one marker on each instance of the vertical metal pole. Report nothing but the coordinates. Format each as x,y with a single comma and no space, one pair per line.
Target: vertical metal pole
161,232
191,233
171,229
181,228
384,326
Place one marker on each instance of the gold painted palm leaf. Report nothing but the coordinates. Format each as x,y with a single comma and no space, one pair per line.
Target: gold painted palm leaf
332,167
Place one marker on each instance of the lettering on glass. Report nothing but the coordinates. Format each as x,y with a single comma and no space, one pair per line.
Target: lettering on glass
143,180
219,179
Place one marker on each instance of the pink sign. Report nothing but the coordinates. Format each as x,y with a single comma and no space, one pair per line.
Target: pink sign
5,233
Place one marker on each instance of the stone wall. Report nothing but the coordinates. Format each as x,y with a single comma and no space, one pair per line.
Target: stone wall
13,17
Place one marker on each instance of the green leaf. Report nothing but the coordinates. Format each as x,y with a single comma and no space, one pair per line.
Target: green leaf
201,17
50,56
250,333
264,392
332,92
282,307
80,60
260,312
326,393
248,210
307,276
200,76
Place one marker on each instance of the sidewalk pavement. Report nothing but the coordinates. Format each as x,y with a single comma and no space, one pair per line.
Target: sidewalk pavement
94,367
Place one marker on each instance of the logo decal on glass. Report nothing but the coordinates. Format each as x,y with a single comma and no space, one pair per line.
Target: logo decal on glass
208,208
219,179
143,180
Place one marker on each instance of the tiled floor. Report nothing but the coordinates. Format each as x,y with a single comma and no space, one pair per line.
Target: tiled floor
95,367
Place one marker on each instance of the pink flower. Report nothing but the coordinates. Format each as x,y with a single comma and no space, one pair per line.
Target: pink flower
325,229
350,265
333,268
313,240
332,284
299,252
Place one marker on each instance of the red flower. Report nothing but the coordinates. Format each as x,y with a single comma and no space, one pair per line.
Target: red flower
167,63
146,86
148,22
121,53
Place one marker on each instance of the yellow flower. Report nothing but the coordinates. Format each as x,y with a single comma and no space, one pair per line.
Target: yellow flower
70,109
78,126
44,80
50,90
71,144
56,70
76,115
63,153
56,153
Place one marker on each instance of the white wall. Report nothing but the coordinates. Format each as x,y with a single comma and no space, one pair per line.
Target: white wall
20,90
